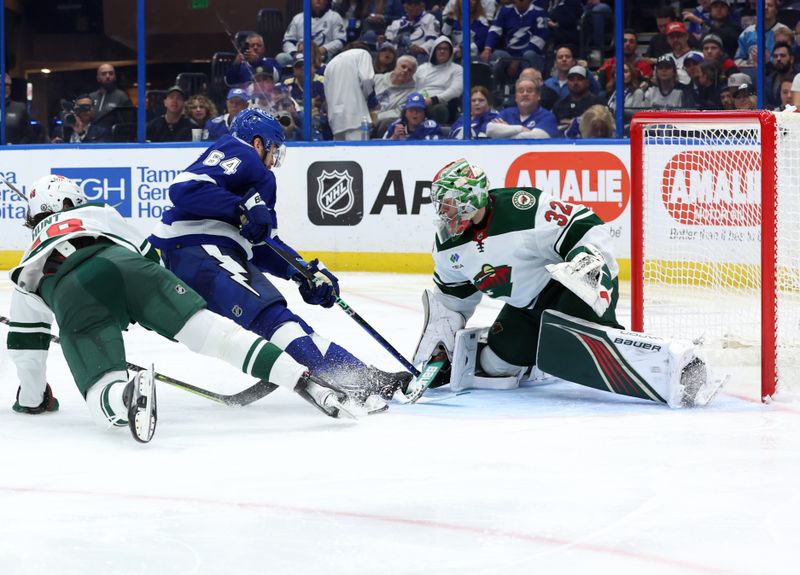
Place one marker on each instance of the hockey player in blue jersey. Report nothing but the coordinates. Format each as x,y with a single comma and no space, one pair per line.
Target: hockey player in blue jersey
204,241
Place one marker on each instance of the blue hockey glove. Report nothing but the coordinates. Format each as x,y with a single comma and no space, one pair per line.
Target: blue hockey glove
325,288
49,403
257,220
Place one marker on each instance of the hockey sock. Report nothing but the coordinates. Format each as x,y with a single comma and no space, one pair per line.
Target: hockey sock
216,336
313,350
105,402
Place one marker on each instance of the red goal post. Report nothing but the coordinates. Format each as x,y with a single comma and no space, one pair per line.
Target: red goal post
716,234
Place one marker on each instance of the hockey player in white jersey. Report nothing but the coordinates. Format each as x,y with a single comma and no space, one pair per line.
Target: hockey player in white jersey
96,274
552,264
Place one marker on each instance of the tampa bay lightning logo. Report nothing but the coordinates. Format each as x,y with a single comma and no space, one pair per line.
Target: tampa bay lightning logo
335,192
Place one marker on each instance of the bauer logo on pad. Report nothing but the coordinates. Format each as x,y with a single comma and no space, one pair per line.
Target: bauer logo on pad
110,186
335,193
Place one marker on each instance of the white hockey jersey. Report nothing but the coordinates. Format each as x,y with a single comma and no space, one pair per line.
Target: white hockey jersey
505,258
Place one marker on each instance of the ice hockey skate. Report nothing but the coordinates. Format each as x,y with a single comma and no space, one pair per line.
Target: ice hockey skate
140,399
328,398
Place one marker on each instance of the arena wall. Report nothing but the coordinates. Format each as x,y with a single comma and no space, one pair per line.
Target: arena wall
359,207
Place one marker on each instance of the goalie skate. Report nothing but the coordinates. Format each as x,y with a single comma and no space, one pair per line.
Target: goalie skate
697,389
140,398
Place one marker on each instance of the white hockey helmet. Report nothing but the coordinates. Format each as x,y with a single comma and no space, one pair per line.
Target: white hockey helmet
49,192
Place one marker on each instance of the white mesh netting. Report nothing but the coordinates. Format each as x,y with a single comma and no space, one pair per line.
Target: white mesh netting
702,237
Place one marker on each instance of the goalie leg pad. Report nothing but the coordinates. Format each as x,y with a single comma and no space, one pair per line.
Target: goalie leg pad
619,361
439,329
464,366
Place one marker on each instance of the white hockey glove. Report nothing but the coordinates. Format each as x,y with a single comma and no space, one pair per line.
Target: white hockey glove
439,331
585,274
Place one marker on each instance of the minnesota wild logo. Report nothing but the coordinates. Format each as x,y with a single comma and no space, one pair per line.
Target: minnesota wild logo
494,281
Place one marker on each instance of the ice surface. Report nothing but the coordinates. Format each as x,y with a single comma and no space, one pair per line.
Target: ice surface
548,479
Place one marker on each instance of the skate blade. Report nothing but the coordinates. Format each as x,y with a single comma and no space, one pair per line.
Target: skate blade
144,422
399,397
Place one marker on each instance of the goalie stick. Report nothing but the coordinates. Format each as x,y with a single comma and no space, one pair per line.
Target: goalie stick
245,397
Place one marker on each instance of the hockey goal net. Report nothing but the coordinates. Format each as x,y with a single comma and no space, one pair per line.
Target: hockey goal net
716,236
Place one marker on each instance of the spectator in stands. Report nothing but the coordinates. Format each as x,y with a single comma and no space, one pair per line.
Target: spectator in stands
713,52
413,125
527,74
782,69
519,31
563,22
746,15
678,40
440,81
349,91
385,58
392,89
579,98
251,60
597,122
556,86
200,110
786,94
707,87
691,64
698,19
633,94
262,91
726,98
78,127
376,16
296,89
481,114
327,29
18,121
415,32
667,92
528,119
172,126
630,45
744,97
658,45
479,27
236,102
598,17
724,26
108,96
746,52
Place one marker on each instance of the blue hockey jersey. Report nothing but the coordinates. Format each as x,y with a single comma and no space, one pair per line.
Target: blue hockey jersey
517,32
206,196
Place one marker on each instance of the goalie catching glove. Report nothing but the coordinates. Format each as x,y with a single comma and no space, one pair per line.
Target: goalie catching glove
585,273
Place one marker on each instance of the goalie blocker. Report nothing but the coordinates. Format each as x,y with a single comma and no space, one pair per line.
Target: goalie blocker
619,361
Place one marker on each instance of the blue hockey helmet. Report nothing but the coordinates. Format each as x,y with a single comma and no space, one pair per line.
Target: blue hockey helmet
256,122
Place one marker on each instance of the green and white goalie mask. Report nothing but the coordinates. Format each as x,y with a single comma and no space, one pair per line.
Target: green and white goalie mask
459,190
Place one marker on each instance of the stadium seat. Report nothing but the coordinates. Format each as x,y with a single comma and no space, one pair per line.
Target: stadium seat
218,89
270,25
481,75
123,133
192,82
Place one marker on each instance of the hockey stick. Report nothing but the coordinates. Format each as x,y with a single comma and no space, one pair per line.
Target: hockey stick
245,397
346,308
14,189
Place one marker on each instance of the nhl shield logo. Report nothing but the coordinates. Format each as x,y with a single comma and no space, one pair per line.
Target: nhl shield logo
335,192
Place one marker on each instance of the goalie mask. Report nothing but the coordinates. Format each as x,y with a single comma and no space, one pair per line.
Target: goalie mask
49,192
458,191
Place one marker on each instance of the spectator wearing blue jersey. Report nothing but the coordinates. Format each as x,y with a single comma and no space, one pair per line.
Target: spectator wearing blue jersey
219,237
236,102
528,119
415,32
251,60
413,125
479,27
327,30
481,114
520,31
748,40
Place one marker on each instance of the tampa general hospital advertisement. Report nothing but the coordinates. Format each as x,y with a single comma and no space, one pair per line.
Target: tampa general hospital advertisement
362,207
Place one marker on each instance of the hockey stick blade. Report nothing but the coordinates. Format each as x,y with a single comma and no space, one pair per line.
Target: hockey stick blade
245,397
421,383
